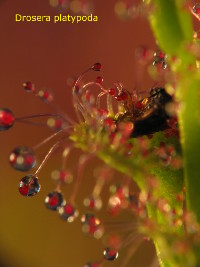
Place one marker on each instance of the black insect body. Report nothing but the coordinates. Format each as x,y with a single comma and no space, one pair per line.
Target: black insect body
149,114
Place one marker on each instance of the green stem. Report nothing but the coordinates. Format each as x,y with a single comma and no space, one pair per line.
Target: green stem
172,26
189,120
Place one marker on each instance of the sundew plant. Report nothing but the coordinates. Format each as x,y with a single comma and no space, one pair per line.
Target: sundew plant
151,138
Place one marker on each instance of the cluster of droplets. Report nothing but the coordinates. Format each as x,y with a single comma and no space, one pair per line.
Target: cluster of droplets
85,7
23,158
55,122
119,199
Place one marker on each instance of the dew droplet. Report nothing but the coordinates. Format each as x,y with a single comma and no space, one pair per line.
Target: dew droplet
55,124
160,64
97,67
121,191
29,185
93,203
68,212
159,55
63,176
54,200
196,9
7,119
111,91
99,79
29,87
159,61
110,254
22,158
45,95
92,225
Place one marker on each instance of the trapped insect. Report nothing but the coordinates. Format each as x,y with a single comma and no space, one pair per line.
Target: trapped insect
148,114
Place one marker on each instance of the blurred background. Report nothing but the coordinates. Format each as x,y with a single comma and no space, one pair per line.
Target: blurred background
47,54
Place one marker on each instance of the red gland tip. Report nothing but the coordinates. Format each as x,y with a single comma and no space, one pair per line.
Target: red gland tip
111,91
29,86
97,67
7,119
99,79
121,97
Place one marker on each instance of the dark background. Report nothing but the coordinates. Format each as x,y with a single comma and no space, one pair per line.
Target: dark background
47,54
